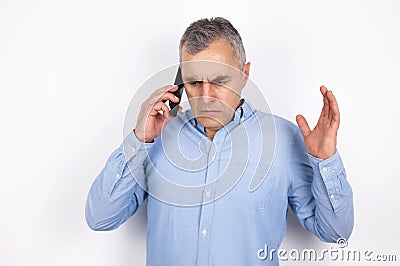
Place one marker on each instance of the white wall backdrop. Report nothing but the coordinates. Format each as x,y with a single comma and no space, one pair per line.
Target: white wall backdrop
68,70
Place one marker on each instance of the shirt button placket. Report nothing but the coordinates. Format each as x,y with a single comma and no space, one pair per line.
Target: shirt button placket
206,216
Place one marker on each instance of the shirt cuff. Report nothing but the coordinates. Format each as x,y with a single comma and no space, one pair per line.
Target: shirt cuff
329,168
332,172
135,151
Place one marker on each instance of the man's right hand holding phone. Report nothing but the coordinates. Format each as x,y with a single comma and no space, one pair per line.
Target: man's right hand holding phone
154,114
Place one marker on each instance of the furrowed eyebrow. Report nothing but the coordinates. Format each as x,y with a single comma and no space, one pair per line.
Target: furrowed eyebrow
220,78
217,79
189,79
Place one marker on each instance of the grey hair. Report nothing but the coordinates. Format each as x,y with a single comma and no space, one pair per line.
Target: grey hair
201,33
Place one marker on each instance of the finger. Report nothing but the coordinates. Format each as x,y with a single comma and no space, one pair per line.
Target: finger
170,117
168,96
334,109
160,92
168,88
330,114
325,107
173,88
159,106
303,125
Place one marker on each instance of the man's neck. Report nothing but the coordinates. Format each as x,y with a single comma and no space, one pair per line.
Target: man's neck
210,132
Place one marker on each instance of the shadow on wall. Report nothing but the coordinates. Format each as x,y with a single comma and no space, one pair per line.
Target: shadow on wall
296,236
137,224
132,247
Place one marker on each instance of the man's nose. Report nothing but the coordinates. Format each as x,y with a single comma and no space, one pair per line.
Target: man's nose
207,92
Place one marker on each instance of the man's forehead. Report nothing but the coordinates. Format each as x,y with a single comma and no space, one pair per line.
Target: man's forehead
203,70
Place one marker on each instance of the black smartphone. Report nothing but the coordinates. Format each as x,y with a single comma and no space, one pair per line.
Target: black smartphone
178,93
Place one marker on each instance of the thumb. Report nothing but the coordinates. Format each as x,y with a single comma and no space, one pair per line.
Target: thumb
179,110
303,125
170,117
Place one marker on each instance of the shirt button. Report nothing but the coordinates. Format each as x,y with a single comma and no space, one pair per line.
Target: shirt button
117,176
133,149
208,194
204,232
324,169
332,197
212,157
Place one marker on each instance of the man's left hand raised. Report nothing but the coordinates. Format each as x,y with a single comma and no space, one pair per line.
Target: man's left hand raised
321,141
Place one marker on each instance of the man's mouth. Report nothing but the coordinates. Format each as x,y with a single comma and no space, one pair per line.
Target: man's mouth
209,112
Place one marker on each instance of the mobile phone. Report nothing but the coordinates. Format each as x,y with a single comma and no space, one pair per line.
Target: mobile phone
178,93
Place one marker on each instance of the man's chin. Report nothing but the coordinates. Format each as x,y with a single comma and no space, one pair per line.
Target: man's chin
209,122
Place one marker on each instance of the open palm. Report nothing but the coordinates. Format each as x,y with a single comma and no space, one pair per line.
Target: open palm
321,141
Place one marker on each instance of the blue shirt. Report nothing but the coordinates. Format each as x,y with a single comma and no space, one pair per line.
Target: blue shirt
218,202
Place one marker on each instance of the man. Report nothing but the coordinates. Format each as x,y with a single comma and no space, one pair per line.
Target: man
220,176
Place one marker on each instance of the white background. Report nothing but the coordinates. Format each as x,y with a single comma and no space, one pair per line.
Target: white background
68,70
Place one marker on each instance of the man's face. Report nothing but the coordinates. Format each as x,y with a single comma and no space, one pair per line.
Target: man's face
213,82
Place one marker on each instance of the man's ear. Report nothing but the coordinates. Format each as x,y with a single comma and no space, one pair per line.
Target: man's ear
246,71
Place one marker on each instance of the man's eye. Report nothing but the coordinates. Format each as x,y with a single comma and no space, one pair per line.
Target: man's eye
194,83
220,82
